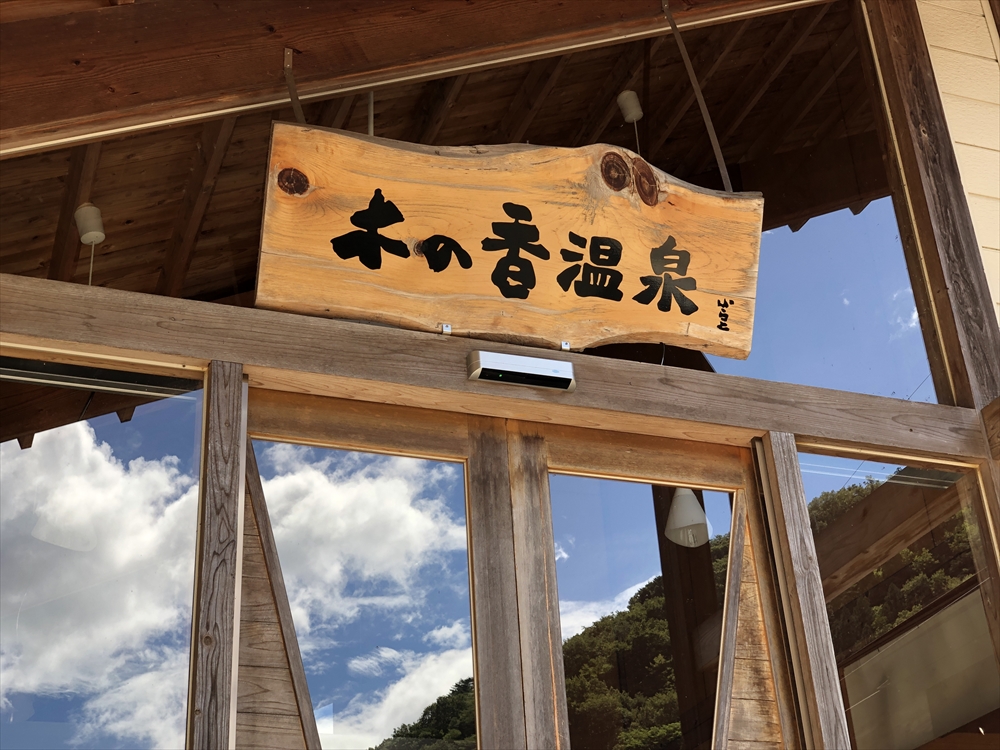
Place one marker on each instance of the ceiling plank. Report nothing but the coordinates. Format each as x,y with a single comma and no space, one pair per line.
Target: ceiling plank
710,57
831,65
214,143
623,75
441,97
223,59
83,163
756,83
527,102
336,112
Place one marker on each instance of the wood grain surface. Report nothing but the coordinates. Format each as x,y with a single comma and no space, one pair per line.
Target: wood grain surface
501,716
707,242
280,351
820,697
211,721
545,712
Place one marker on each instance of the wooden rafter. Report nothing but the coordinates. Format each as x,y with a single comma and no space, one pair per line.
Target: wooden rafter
623,75
437,102
837,121
83,163
890,519
756,83
799,104
214,142
538,84
335,113
676,104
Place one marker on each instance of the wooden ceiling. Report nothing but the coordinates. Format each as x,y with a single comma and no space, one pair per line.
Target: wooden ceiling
182,204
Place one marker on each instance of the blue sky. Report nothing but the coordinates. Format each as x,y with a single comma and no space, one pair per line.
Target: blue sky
374,548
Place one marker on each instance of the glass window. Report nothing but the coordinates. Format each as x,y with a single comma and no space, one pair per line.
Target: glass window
907,590
374,553
641,574
98,522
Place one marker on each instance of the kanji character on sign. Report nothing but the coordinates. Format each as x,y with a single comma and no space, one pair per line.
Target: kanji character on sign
667,259
598,278
438,251
514,275
366,244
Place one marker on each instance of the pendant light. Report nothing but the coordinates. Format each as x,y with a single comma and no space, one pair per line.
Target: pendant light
687,524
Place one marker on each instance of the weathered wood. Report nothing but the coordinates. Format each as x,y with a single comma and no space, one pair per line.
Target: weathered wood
443,96
215,641
560,194
820,699
295,672
764,72
545,713
212,150
726,643
798,105
541,79
991,419
83,163
358,426
875,530
342,51
983,545
44,319
678,101
336,112
267,731
609,455
499,675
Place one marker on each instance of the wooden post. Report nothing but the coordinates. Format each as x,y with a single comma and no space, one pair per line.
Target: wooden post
545,712
494,608
215,630
821,703
689,592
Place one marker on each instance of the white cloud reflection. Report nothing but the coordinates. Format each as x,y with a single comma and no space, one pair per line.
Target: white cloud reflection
96,567
576,616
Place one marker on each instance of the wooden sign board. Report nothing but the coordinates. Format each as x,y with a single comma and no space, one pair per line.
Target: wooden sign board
525,244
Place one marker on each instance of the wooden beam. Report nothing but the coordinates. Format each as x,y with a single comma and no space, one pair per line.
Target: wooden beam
875,530
812,88
545,711
764,72
820,700
728,623
281,351
991,419
255,493
438,100
335,113
678,101
942,222
83,163
215,637
623,75
496,631
25,441
342,51
212,150
538,84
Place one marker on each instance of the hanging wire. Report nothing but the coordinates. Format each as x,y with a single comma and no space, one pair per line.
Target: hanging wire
701,99
90,276
635,124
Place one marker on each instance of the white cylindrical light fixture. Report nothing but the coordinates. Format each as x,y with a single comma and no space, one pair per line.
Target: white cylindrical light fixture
687,524
89,224
628,103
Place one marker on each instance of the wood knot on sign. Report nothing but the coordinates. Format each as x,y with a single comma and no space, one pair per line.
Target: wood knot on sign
645,182
615,171
292,181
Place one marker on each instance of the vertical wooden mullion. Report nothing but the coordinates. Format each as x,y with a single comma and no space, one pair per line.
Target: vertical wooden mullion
730,613
496,633
808,625
218,567
546,717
